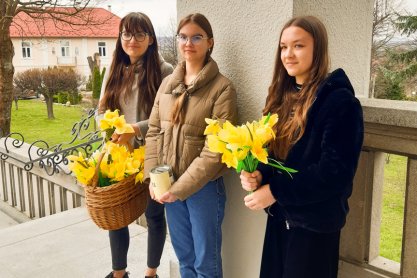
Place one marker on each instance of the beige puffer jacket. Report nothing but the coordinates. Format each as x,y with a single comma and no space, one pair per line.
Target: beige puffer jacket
183,146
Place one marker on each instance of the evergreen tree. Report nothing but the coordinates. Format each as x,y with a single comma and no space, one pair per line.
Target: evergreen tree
97,82
407,25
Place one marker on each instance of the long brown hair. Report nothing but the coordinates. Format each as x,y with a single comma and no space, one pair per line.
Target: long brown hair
122,73
281,97
200,20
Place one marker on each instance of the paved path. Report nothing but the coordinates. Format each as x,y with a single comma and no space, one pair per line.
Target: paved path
6,221
69,245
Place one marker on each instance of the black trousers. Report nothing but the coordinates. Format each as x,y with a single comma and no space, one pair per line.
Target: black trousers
298,253
119,239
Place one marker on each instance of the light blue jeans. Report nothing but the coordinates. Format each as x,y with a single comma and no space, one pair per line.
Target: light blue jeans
196,233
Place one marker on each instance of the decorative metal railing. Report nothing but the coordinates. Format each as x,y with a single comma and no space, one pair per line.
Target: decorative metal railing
35,178
52,158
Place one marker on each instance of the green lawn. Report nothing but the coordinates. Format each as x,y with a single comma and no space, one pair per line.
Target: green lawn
393,207
32,122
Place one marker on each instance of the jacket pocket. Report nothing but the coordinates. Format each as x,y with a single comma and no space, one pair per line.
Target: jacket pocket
160,146
193,145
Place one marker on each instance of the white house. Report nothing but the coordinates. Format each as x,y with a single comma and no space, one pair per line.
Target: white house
47,43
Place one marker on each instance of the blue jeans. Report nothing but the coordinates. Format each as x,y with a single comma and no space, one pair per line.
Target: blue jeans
196,233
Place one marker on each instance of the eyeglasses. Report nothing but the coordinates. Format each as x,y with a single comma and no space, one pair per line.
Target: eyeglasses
139,36
195,40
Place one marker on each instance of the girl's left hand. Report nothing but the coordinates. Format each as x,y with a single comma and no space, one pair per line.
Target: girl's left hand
167,197
260,199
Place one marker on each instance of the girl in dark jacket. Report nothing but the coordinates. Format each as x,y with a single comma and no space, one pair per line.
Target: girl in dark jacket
319,133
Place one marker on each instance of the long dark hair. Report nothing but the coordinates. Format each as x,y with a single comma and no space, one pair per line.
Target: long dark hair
122,73
281,98
203,23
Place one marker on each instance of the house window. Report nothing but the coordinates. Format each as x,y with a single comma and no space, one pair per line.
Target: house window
65,48
26,49
102,48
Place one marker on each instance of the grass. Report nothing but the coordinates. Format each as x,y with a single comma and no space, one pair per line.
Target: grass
31,120
393,207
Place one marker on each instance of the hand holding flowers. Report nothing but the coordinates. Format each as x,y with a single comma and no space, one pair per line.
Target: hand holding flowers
114,162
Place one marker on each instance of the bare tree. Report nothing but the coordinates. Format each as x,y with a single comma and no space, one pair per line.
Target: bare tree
65,14
168,43
383,31
55,80
383,27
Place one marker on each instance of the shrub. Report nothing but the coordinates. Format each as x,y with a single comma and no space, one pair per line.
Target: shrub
72,97
89,84
97,81
29,80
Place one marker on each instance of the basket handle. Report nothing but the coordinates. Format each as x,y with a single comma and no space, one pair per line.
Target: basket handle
94,181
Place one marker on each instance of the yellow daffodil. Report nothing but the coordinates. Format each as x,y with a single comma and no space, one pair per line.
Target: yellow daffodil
242,147
259,152
121,127
229,159
108,119
213,127
139,177
269,120
215,144
81,167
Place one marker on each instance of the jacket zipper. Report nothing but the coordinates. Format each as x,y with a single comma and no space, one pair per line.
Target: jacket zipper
287,224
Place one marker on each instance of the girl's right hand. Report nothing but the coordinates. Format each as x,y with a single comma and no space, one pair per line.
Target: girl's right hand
250,181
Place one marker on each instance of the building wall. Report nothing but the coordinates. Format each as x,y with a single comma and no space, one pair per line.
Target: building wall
246,36
349,26
47,52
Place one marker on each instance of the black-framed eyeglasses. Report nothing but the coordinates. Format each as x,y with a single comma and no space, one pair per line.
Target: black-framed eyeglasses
195,40
139,36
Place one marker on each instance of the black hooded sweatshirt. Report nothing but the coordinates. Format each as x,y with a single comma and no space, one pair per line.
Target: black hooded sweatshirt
326,157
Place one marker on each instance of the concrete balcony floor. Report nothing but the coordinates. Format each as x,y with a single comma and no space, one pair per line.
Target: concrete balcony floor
69,244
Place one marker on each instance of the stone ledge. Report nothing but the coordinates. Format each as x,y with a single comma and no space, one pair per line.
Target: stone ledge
390,112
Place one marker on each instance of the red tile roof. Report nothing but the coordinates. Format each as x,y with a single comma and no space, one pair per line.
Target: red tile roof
102,23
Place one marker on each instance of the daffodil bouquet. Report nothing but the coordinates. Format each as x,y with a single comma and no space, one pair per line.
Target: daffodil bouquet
116,161
243,147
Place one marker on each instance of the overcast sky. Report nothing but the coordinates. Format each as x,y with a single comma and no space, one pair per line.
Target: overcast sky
410,6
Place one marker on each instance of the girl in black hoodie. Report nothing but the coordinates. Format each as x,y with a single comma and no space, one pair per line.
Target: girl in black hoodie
319,133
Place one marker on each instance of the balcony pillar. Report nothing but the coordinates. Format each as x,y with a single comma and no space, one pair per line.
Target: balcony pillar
409,261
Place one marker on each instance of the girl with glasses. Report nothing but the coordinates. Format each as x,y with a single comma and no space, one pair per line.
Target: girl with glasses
135,75
320,133
196,200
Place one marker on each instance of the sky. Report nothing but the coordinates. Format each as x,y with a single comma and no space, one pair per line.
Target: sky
161,12
410,6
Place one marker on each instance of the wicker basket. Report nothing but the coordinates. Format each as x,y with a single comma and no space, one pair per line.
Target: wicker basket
116,206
